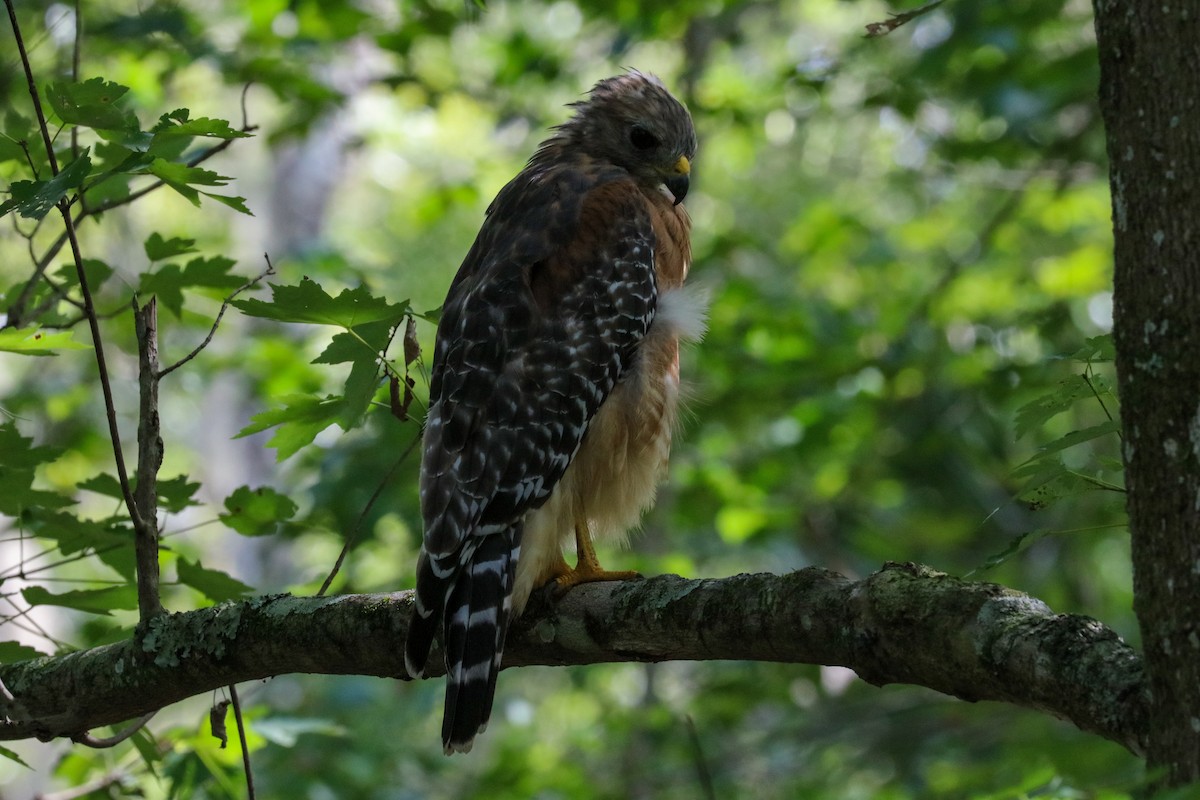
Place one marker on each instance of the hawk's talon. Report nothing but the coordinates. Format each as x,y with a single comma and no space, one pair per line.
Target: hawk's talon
590,574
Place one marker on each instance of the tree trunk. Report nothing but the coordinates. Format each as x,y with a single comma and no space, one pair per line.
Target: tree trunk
1150,99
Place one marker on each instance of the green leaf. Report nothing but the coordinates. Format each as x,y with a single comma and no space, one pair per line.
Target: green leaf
93,601
308,302
73,534
363,346
36,342
1034,414
257,512
1017,544
176,125
169,281
18,451
11,756
1097,349
18,497
1076,438
34,199
10,149
15,651
175,173
361,343
96,271
211,273
91,103
284,731
17,126
176,494
299,421
158,248
236,203
181,178
360,388
165,283
147,748
105,483
212,583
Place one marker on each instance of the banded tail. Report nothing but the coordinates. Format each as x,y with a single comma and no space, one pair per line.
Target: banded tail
476,586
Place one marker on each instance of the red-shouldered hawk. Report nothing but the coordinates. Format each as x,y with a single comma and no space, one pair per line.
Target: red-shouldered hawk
555,379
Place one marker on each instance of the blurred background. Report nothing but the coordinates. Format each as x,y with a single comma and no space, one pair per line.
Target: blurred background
908,249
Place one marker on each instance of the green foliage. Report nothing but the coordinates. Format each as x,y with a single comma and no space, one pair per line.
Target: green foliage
369,323
93,601
257,512
899,236
34,199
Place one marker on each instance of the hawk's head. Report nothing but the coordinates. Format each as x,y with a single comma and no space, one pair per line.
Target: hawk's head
632,121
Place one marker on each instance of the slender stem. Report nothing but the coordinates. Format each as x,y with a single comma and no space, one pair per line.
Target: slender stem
64,209
353,537
76,52
114,740
216,322
237,715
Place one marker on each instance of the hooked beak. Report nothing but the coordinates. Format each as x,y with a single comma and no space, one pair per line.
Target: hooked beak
678,183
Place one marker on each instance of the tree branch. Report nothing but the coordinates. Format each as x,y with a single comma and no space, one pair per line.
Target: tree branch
150,458
904,624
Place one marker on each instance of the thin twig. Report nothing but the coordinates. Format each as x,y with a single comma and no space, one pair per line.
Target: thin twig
702,770
1088,380
353,537
86,789
877,29
76,50
270,270
88,740
237,715
89,307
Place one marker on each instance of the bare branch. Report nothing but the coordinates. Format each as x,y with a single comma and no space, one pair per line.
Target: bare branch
904,624
216,322
876,29
150,457
114,740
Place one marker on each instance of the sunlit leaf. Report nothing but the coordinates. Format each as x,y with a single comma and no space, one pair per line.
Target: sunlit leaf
34,199
299,421
257,512
236,203
308,302
35,342
91,103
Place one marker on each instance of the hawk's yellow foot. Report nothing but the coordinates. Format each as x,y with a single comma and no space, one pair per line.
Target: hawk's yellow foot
588,569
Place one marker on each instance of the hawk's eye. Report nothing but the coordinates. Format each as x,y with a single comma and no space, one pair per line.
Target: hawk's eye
642,139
